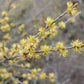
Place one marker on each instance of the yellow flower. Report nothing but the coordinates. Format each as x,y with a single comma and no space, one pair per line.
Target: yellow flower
6,19
49,21
45,49
4,70
64,53
74,11
1,55
77,44
12,24
34,76
12,61
5,28
34,70
41,30
15,82
23,41
28,65
53,31
46,35
43,75
25,82
62,24
69,4
49,34
24,75
20,28
39,69
52,80
29,76
59,45
71,10
4,13
13,6
16,46
52,77
3,44
73,20
7,75
7,36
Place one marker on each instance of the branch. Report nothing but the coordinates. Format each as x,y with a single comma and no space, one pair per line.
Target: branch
60,16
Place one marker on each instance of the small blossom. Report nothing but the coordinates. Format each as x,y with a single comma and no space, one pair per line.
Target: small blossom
5,28
59,45
28,65
43,75
52,77
13,6
7,36
4,13
74,11
49,21
69,4
77,44
41,30
25,82
62,24
45,49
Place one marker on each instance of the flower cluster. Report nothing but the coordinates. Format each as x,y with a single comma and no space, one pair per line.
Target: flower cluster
3,50
52,29
5,28
45,49
77,44
20,28
71,8
52,77
13,6
49,22
4,13
7,36
4,74
28,48
62,24
37,73
4,20
60,48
